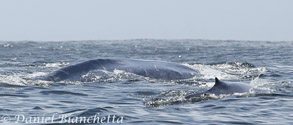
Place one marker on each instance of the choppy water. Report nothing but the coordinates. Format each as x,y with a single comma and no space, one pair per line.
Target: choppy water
133,99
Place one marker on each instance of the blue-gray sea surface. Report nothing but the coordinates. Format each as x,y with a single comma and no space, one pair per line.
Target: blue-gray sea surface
138,100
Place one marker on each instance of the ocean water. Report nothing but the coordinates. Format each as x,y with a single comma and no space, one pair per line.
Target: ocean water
131,99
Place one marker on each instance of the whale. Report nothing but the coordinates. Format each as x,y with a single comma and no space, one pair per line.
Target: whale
223,88
147,68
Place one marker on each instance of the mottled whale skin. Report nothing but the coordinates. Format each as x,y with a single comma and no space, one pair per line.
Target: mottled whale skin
224,88
147,68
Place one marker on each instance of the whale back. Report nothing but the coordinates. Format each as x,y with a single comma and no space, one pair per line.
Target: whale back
147,68
228,88
224,88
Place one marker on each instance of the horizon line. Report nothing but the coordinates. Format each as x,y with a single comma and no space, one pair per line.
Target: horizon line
131,39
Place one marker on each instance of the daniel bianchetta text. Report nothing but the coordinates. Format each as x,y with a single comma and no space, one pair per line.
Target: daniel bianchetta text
61,118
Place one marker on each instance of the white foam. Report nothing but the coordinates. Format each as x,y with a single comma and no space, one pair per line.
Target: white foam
225,71
12,79
56,64
209,72
36,74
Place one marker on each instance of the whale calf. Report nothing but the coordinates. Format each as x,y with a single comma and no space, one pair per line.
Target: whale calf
147,68
224,88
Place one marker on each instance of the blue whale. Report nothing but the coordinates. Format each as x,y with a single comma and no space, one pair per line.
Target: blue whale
224,88
147,68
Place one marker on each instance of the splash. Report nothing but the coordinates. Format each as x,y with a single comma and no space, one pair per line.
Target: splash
227,71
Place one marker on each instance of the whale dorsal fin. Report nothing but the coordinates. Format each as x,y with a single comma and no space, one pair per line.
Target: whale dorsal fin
218,82
219,86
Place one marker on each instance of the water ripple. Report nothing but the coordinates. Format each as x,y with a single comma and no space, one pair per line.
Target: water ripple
58,92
